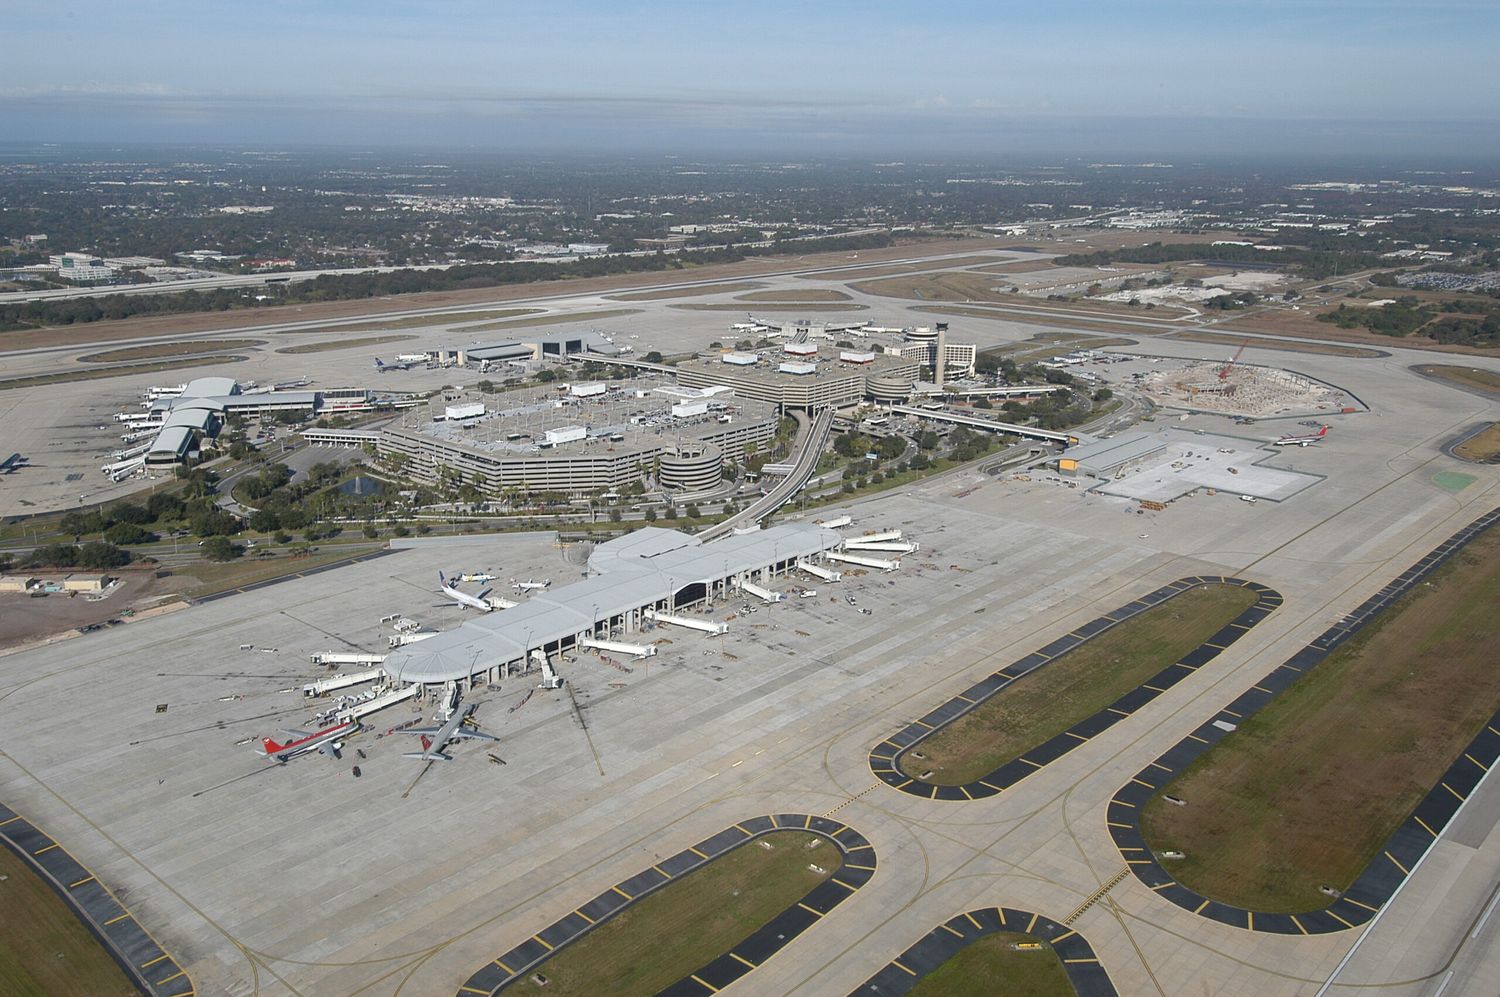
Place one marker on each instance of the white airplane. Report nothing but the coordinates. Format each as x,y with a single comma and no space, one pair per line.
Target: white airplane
383,367
481,576
464,598
531,584
435,739
1303,441
328,741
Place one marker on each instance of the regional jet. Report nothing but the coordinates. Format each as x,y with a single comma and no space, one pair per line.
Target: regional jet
464,598
531,585
328,742
12,463
385,368
435,739
1303,441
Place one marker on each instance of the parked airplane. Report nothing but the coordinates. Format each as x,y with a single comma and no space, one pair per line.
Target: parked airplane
1303,441
384,368
479,576
12,463
435,739
328,741
531,584
464,598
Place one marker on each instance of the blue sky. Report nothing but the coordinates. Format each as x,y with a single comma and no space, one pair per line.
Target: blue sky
1217,76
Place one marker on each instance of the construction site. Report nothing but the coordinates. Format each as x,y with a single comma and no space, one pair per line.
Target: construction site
1244,390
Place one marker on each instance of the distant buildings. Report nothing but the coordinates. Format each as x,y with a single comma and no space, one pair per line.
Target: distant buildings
82,267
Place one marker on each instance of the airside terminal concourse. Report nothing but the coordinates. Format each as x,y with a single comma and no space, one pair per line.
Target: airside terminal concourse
631,580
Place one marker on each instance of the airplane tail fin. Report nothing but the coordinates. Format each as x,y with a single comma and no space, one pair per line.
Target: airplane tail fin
1323,432
426,742
269,747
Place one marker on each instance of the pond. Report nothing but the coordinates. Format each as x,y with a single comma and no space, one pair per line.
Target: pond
361,486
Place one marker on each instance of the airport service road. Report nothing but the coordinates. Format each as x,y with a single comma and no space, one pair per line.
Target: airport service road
312,881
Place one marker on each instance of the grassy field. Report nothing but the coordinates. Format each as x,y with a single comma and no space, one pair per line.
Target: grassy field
796,294
419,321
1307,791
803,308
327,345
991,965
687,924
44,949
246,570
1074,686
686,292
154,351
554,319
947,286
1325,349
1481,382
119,370
900,268
1483,447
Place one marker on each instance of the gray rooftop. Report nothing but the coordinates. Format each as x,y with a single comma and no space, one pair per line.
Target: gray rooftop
633,571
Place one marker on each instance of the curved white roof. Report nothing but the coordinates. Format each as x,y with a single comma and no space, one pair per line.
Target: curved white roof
630,572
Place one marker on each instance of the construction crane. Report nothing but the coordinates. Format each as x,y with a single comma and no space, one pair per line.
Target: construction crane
1224,370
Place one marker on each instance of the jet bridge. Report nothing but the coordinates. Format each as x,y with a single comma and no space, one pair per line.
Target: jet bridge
706,626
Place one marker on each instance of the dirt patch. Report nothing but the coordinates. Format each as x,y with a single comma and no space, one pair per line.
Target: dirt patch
24,619
1309,788
152,351
328,345
795,294
686,292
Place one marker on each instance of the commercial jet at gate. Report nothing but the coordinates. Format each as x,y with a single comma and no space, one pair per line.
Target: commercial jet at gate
1303,441
435,739
328,742
464,598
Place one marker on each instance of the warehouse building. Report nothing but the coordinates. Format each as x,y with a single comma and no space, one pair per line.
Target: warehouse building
1102,458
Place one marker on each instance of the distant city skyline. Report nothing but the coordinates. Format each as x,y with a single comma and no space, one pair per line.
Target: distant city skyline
1164,77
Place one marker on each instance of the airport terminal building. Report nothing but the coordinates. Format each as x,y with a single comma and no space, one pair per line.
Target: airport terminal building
648,571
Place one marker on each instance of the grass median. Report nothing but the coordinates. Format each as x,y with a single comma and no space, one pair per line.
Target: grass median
1309,788
993,965
1074,686
44,948
687,924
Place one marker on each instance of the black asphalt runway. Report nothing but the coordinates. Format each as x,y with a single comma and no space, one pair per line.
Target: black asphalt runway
1402,850
146,963
946,940
859,866
885,756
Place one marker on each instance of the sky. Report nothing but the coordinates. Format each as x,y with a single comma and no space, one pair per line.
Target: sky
1146,78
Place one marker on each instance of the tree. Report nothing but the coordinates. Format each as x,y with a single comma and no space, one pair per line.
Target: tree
128,533
653,357
129,512
650,515
265,520
53,555
97,554
162,506
221,549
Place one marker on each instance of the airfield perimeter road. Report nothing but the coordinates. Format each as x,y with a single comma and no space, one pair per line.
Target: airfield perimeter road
306,880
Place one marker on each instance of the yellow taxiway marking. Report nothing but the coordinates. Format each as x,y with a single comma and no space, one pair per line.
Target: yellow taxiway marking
711,988
1340,920
1398,865
85,879
505,967
45,848
1200,907
115,920
898,965
739,958
1298,923
153,962
1372,910
542,941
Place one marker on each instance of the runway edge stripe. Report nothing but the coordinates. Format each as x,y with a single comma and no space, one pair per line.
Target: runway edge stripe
886,765
1085,972
765,941
1388,868
128,943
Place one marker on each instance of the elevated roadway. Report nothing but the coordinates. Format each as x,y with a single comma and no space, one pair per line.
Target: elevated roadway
812,438
1031,432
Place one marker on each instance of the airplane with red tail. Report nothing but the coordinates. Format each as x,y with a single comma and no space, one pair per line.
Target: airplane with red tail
1303,441
328,742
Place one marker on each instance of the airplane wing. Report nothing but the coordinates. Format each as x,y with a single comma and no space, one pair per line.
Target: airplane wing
428,756
474,734
420,730
486,592
328,749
